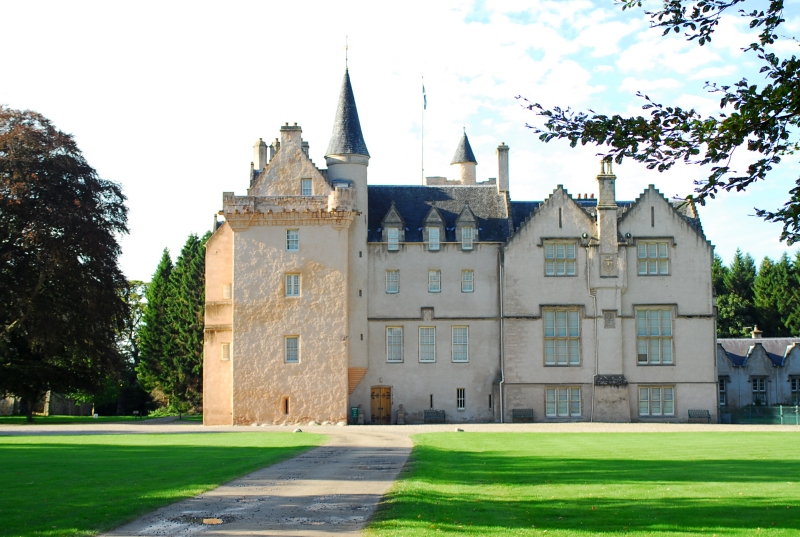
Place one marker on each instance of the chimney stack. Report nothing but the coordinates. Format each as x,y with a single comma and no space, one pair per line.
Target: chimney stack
502,167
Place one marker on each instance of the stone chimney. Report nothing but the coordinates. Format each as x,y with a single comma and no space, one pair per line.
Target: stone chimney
291,136
502,168
607,220
273,148
260,158
757,333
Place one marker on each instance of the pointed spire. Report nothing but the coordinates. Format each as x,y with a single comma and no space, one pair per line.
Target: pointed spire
464,151
347,138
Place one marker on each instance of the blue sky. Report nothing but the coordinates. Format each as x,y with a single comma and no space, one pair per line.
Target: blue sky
168,98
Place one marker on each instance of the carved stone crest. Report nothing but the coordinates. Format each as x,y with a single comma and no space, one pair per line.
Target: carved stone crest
608,264
608,319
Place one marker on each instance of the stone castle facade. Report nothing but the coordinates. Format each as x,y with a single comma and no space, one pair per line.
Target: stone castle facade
325,294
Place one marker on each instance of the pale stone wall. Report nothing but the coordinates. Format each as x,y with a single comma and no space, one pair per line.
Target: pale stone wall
739,387
217,374
263,316
281,177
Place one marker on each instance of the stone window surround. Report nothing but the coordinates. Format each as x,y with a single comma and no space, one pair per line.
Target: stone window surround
468,278
291,287
555,242
291,349
648,337
663,399
392,285
430,345
641,241
389,344
461,399
293,240
434,281
306,187
225,352
557,411
426,237
454,333
555,308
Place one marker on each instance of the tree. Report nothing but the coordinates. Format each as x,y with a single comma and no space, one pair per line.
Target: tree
718,273
172,330
185,313
59,307
155,338
773,297
735,310
756,118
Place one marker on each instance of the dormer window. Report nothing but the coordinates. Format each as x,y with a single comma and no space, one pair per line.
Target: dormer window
467,235
305,187
433,238
393,238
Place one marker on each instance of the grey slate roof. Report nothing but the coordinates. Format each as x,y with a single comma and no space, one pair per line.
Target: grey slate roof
414,202
346,138
464,151
740,349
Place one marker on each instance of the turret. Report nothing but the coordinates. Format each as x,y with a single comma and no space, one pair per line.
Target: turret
465,162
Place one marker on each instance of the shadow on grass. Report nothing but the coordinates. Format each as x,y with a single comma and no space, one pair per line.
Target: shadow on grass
489,492
79,489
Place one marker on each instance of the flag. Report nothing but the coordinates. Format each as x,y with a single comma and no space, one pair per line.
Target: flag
424,98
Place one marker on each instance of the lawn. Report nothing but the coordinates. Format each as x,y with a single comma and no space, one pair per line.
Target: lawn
561,484
64,420
82,485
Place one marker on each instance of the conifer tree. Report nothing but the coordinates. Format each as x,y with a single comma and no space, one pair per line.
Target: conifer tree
766,299
792,319
185,308
736,312
718,273
155,334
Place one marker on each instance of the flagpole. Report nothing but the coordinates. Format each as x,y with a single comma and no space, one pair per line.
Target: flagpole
422,134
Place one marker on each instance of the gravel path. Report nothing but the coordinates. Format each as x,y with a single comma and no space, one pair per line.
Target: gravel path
331,490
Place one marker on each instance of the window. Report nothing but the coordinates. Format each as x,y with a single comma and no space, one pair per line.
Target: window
467,235
225,352
759,390
305,187
427,345
394,344
292,346
433,238
392,281
461,344
563,402
723,392
292,240
562,337
467,281
654,337
292,285
559,258
653,258
227,291
795,390
434,281
393,238
461,400
657,401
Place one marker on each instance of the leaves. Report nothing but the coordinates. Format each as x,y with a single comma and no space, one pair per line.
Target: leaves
758,118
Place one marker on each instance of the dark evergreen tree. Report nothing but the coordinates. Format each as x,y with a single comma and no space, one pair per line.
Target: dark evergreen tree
155,335
736,313
718,273
792,315
59,223
185,313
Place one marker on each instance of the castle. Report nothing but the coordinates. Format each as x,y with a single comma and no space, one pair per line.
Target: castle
325,294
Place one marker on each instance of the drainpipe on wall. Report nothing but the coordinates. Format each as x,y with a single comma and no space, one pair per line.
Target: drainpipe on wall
500,263
596,337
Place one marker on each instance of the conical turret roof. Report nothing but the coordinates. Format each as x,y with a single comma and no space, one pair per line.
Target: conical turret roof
346,138
464,152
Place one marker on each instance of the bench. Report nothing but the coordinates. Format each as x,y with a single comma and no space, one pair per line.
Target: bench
700,415
433,416
522,415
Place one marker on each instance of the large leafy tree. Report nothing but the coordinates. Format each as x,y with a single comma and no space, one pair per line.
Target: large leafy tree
60,311
758,118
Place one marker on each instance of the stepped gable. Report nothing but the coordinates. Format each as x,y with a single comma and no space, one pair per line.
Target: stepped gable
414,203
347,138
740,349
686,211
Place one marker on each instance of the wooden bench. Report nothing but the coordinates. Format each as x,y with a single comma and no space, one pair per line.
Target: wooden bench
700,415
522,415
433,416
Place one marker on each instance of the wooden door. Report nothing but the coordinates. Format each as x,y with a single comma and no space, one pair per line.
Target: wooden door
381,405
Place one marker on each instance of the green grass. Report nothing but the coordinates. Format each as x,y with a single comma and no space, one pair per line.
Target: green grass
82,485
664,484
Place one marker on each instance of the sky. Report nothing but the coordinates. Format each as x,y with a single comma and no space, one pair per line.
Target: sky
168,98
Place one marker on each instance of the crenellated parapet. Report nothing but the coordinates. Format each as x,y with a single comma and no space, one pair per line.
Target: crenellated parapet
335,210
